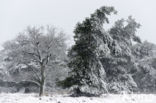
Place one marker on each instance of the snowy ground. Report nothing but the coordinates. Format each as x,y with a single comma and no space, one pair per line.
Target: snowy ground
33,98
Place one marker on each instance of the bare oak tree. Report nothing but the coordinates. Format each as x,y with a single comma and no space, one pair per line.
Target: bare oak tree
37,49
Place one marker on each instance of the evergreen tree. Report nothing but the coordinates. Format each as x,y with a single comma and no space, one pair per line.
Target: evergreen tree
121,64
87,73
145,58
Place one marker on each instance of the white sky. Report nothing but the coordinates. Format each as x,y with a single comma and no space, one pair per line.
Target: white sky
16,15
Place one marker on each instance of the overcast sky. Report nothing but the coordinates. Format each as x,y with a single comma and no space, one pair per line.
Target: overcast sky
16,15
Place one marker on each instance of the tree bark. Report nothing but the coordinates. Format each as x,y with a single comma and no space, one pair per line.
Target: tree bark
42,81
41,89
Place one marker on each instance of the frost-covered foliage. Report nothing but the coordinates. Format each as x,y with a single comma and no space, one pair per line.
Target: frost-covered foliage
120,65
99,62
34,53
144,50
91,42
145,77
102,61
3,72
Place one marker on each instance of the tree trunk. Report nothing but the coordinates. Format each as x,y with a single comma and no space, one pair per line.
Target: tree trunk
42,81
41,89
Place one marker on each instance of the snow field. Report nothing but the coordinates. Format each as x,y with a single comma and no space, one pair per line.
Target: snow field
111,98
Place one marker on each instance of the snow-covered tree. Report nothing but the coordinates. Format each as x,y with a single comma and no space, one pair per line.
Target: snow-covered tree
120,65
91,42
36,50
143,50
145,58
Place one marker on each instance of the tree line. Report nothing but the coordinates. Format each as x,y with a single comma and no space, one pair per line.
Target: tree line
100,61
